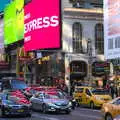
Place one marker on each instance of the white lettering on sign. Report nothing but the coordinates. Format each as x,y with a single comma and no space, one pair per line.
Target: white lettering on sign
28,38
39,23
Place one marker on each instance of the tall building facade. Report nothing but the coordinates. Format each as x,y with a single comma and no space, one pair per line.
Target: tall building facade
83,41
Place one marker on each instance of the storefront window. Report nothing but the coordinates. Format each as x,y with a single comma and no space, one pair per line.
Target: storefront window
79,67
87,3
77,37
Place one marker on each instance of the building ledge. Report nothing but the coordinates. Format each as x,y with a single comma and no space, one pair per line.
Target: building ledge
83,13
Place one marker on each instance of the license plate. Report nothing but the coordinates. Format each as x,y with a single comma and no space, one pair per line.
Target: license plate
63,108
20,110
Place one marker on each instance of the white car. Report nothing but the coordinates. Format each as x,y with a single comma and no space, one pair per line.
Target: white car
117,118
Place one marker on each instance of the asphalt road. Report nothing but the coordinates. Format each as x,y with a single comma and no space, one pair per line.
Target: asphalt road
78,114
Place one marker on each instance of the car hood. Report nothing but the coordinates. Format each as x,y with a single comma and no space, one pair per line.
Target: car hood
57,101
106,97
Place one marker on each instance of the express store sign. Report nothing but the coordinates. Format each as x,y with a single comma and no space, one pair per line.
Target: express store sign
42,25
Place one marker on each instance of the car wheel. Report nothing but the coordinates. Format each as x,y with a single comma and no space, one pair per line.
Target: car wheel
77,103
108,117
44,109
68,112
2,112
92,105
29,115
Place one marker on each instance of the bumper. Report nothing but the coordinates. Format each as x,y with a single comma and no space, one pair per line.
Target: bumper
17,112
53,109
100,103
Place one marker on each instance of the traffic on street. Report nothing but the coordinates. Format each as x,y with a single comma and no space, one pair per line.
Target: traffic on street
77,114
59,60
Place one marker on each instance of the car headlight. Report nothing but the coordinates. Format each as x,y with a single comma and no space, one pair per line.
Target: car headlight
73,100
51,105
70,104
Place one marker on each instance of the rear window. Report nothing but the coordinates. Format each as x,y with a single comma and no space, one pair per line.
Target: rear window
17,84
100,92
79,90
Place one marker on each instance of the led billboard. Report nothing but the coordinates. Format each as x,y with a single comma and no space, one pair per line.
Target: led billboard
42,25
14,22
112,29
1,38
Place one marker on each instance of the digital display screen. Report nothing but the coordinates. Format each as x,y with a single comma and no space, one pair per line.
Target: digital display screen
42,25
14,22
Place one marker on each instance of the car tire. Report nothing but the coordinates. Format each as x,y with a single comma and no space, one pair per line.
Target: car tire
44,110
68,112
92,105
2,112
77,103
29,115
108,117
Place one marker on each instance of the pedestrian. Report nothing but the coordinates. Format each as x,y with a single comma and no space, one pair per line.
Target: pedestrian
65,89
112,90
116,91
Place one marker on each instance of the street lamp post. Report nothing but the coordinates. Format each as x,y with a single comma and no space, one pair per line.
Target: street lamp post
90,59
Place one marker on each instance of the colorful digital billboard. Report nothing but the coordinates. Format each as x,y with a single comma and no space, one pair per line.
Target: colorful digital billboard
112,29
14,22
42,25
1,38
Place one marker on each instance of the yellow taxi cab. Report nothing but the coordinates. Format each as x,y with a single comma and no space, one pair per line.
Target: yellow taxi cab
90,96
111,110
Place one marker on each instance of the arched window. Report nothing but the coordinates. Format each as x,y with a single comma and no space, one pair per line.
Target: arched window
99,39
77,37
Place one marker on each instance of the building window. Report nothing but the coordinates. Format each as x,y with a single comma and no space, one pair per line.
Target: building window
99,39
78,67
77,37
87,3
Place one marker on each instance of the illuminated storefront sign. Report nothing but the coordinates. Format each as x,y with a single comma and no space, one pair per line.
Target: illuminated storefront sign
100,68
42,25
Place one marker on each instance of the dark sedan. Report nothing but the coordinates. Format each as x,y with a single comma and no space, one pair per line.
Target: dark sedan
50,102
9,107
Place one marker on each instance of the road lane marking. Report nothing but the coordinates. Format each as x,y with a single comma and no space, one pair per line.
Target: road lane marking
90,116
44,117
89,109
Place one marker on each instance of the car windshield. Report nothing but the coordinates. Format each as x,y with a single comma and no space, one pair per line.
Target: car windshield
17,84
9,102
33,91
54,96
100,92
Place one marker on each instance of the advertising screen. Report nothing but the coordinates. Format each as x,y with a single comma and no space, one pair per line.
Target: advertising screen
14,22
42,25
112,29
1,38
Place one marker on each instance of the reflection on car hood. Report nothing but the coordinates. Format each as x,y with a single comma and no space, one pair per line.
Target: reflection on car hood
103,96
57,101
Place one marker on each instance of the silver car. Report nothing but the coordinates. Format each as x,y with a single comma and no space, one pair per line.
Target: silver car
50,102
